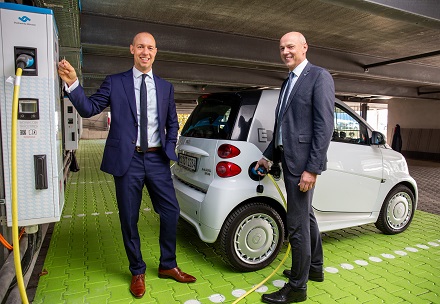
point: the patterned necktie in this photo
(283, 106)
(286, 95)
(143, 117)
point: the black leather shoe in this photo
(313, 275)
(285, 295)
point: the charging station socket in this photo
(31, 70)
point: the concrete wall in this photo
(95, 127)
(93, 134)
(419, 121)
(412, 113)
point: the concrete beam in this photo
(179, 44)
(421, 12)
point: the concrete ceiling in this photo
(210, 46)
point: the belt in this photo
(152, 149)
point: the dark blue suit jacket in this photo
(307, 122)
(117, 91)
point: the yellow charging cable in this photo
(15, 237)
(282, 261)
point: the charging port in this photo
(31, 70)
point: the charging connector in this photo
(254, 175)
(24, 61)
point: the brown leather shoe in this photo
(177, 275)
(137, 287)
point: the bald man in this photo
(140, 144)
(302, 134)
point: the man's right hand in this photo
(67, 72)
(262, 163)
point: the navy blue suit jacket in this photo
(307, 122)
(117, 91)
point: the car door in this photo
(354, 169)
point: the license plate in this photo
(188, 162)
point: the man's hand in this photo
(262, 163)
(308, 181)
(67, 72)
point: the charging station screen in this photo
(28, 109)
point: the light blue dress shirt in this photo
(153, 122)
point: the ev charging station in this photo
(31, 31)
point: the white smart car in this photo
(365, 182)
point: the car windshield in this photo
(213, 117)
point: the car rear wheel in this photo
(252, 236)
(397, 211)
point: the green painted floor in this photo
(86, 262)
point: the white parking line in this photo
(217, 298)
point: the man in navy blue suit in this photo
(302, 134)
(131, 165)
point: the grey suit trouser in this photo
(303, 231)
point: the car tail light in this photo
(227, 169)
(227, 151)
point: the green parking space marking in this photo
(373, 271)
(86, 261)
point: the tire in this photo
(397, 211)
(251, 237)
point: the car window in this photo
(348, 129)
(222, 116)
(212, 118)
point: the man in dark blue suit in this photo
(302, 134)
(136, 155)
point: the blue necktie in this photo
(283, 105)
(143, 117)
(286, 95)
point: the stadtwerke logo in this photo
(24, 19)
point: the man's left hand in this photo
(308, 181)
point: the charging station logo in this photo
(24, 19)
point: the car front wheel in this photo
(397, 211)
(252, 236)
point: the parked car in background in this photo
(365, 182)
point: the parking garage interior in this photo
(384, 56)
(379, 52)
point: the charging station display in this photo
(32, 32)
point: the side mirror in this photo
(377, 138)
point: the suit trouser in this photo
(304, 235)
(151, 169)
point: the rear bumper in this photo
(190, 201)
(208, 212)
